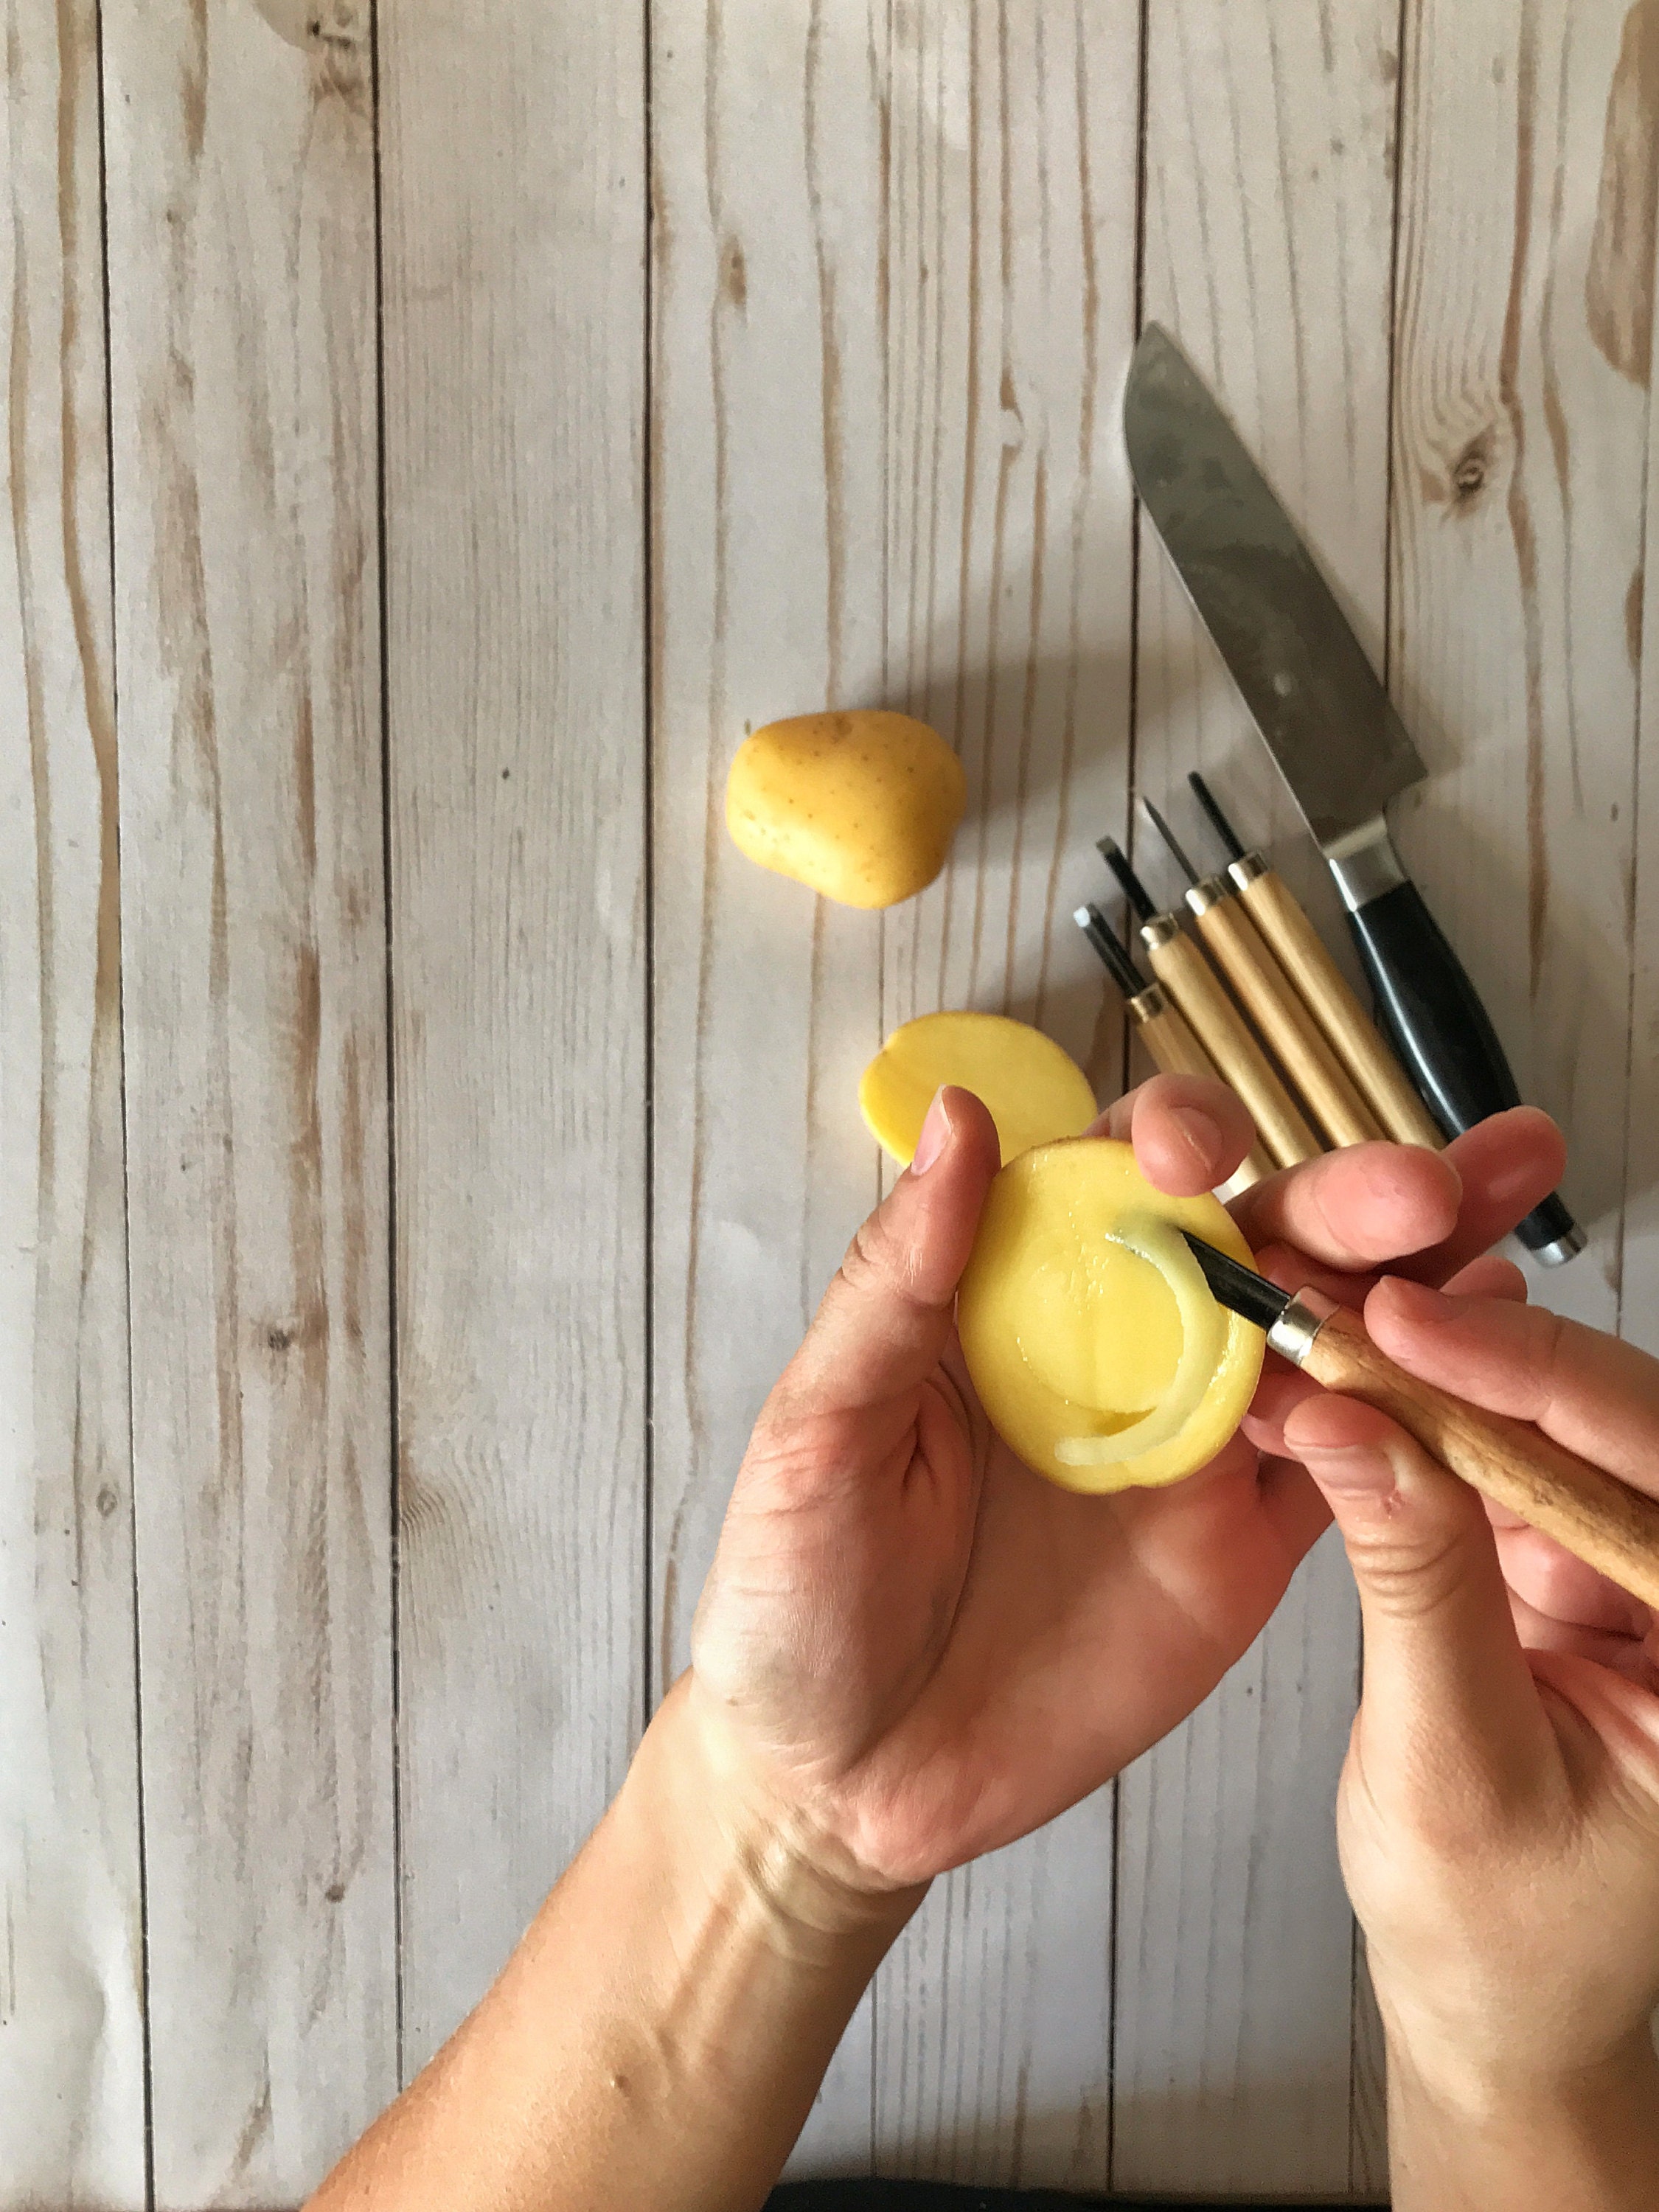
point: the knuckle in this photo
(1411, 1572)
(1550, 1580)
(878, 1259)
(1545, 1358)
(794, 1462)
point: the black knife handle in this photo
(1443, 1035)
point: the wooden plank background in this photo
(433, 442)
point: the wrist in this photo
(1474, 2133)
(1484, 2092)
(774, 1862)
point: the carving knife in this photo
(1330, 727)
(1268, 996)
(1191, 981)
(1163, 1027)
(1609, 1525)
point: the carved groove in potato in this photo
(1096, 1350)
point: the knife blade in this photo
(1330, 727)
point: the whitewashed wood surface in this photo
(433, 442)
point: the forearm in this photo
(657, 2039)
(1587, 2144)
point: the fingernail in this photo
(1357, 1473)
(935, 1130)
(1421, 1302)
(1201, 1133)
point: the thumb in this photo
(1444, 1672)
(886, 1317)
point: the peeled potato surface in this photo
(860, 807)
(1097, 1352)
(1034, 1090)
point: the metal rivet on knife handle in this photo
(1271, 1000)
(1283, 922)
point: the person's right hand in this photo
(1498, 1815)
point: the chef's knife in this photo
(1331, 727)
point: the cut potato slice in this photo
(1097, 1349)
(1034, 1090)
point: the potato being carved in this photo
(1035, 1091)
(1093, 1341)
(860, 806)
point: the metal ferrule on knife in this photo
(1293, 1335)
(1159, 930)
(1146, 1006)
(1364, 864)
(1207, 891)
(1249, 868)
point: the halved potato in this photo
(1093, 1341)
(1035, 1091)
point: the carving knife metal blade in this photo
(1329, 725)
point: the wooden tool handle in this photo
(1610, 1526)
(1271, 1001)
(1178, 1052)
(1239, 1059)
(1301, 951)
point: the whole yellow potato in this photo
(1093, 1340)
(1034, 1090)
(859, 806)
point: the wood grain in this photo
(768, 569)
(71, 2030)
(513, 197)
(874, 459)
(241, 265)
(1520, 441)
(1268, 221)
(1010, 273)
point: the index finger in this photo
(1189, 1132)
(1597, 1396)
(1355, 1208)
(1506, 1163)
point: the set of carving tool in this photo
(1313, 1068)
(1291, 1037)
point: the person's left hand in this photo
(914, 1647)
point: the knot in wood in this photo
(1472, 468)
(734, 274)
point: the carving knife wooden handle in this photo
(1176, 1051)
(1386, 1087)
(1268, 996)
(1181, 967)
(1611, 1527)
